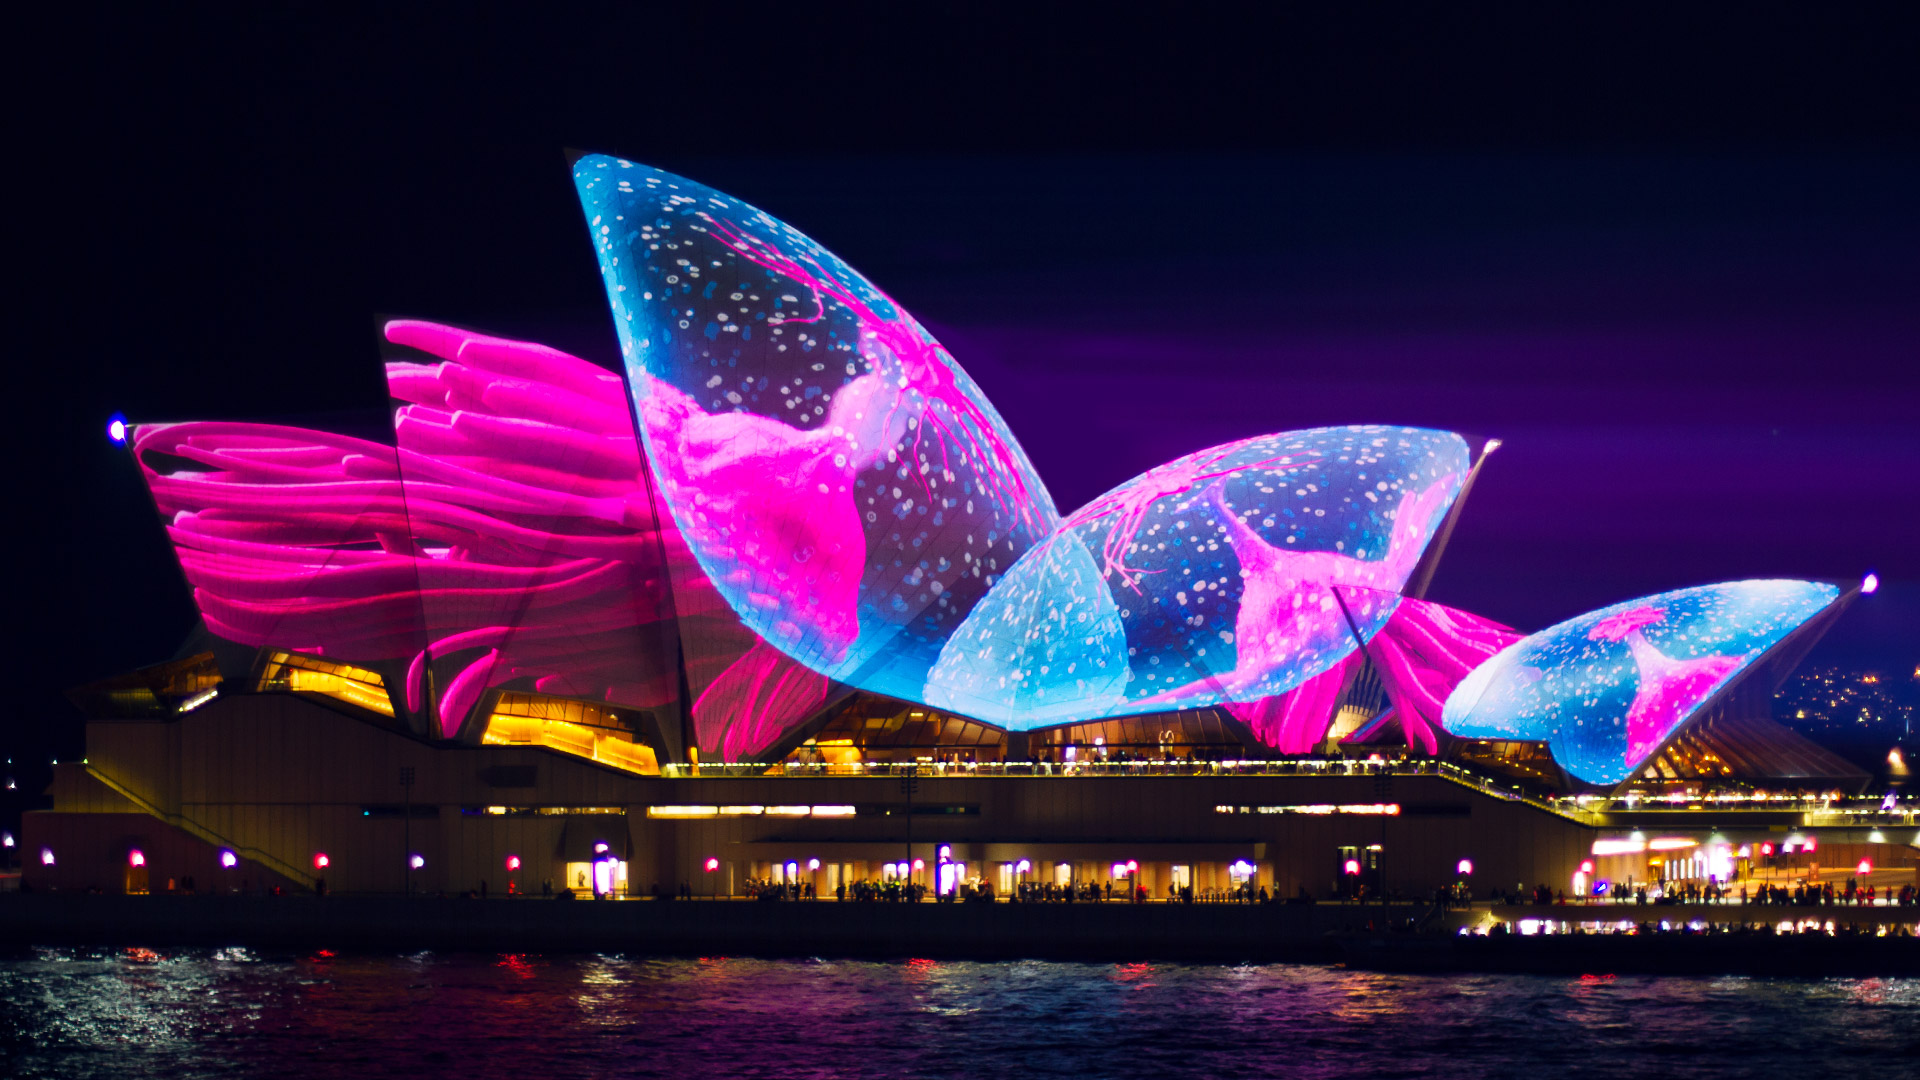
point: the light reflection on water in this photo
(239, 1012)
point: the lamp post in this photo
(909, 783)
(406, 827)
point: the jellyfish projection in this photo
(1606, 690)
(1213, 583)
(840, 480)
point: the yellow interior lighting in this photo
(605, 747)
(342, 682)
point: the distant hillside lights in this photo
(1862, 702)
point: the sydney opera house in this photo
(784, 599)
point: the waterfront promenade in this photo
(1879, 938)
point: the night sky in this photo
(1673, 262)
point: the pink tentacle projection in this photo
(1422, 653)
(464, 691)
(525, 489)
(1131, 502)
(756, 700)
(1295, 722)
(778, 503)
(1668, 687)
(1286, 600)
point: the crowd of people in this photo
(1766, 929)
(1852, 893)
(1803, 894)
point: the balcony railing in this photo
(1265, 767)
(1596, 810)
(1294, 767)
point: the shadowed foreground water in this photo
(233, 1012)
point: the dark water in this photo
(121, 1013)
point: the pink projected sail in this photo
(1422, 653)
(1296, 721)
(536, 542)
(289, 538)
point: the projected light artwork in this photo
(830, 497)
(1606, 689)
(817, 499)
(1207, 580)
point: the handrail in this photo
(1571, 813)
(950, 770)
(201, 832)
(1593, 810)
(1312, 767)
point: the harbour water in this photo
(79, 1012)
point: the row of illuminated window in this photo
(833, 811)
(1314, 808)
(614, 748)
(542, 707)
(538, 811)
(312, 675)
(430, 810)
(749, 811)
